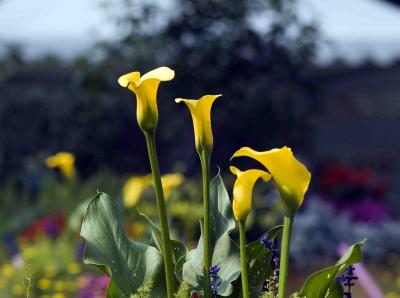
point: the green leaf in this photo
(75, 219)
(129, 264)
(258, 265)
(335, 290)
(225, 252)
(259, 262)
(179, 250)
(322, 284)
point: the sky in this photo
(355, 30)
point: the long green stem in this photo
(205, 168)
(284, 263)
(167, 251)
(243, 259)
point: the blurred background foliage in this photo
(214, 47)
(261, 56)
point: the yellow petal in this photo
(290, 175)
(170, 182)
(129, 78)
(201, 116)
(134, 188)
(145, 87)
(161, 74)
(64, 161)
(243, 190)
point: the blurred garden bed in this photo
(41, 251)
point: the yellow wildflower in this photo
(73, 268)
(29, 252)
(50, 271)
(201, 116)
(145, 88)
(7, 270)
(290, 175)
(17, 289)
(59, 295)
(243, 190)
(59, 285)
(64, 161)
(44, 284)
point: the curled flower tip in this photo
(200, 109)
(145, 88)
(243, 190)
(290, 175)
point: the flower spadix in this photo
(290, 175)
(201, 115)
(243, 190)
(145, 88)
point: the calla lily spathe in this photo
(145, 87)
(290, 175)
(137, 185)
(201, 116)
(243, 190)
(64, 161)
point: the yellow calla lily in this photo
(243, 190)
(65, 161)
(290, 175)
(170, 182)
(145, 87)
(201, 116)
(137, 185)
(134, 188)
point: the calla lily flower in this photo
(290, 175)
(201, 115)
(137, 185)
(243, 190)
(64, 161)
(145, 87)
(134, 188)
(170, 182)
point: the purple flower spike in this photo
(215, 280)
(347, 280)
(271, 284)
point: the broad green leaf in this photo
(225, 252)
(178, 248)
(335, 290)
(258, 265)
(259, 262)
(129, 264)
(113, 291)
(75, 219)
(322, 284)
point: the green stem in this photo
(205, 168)
(166, 242)
(243, 258)
(284, 262)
